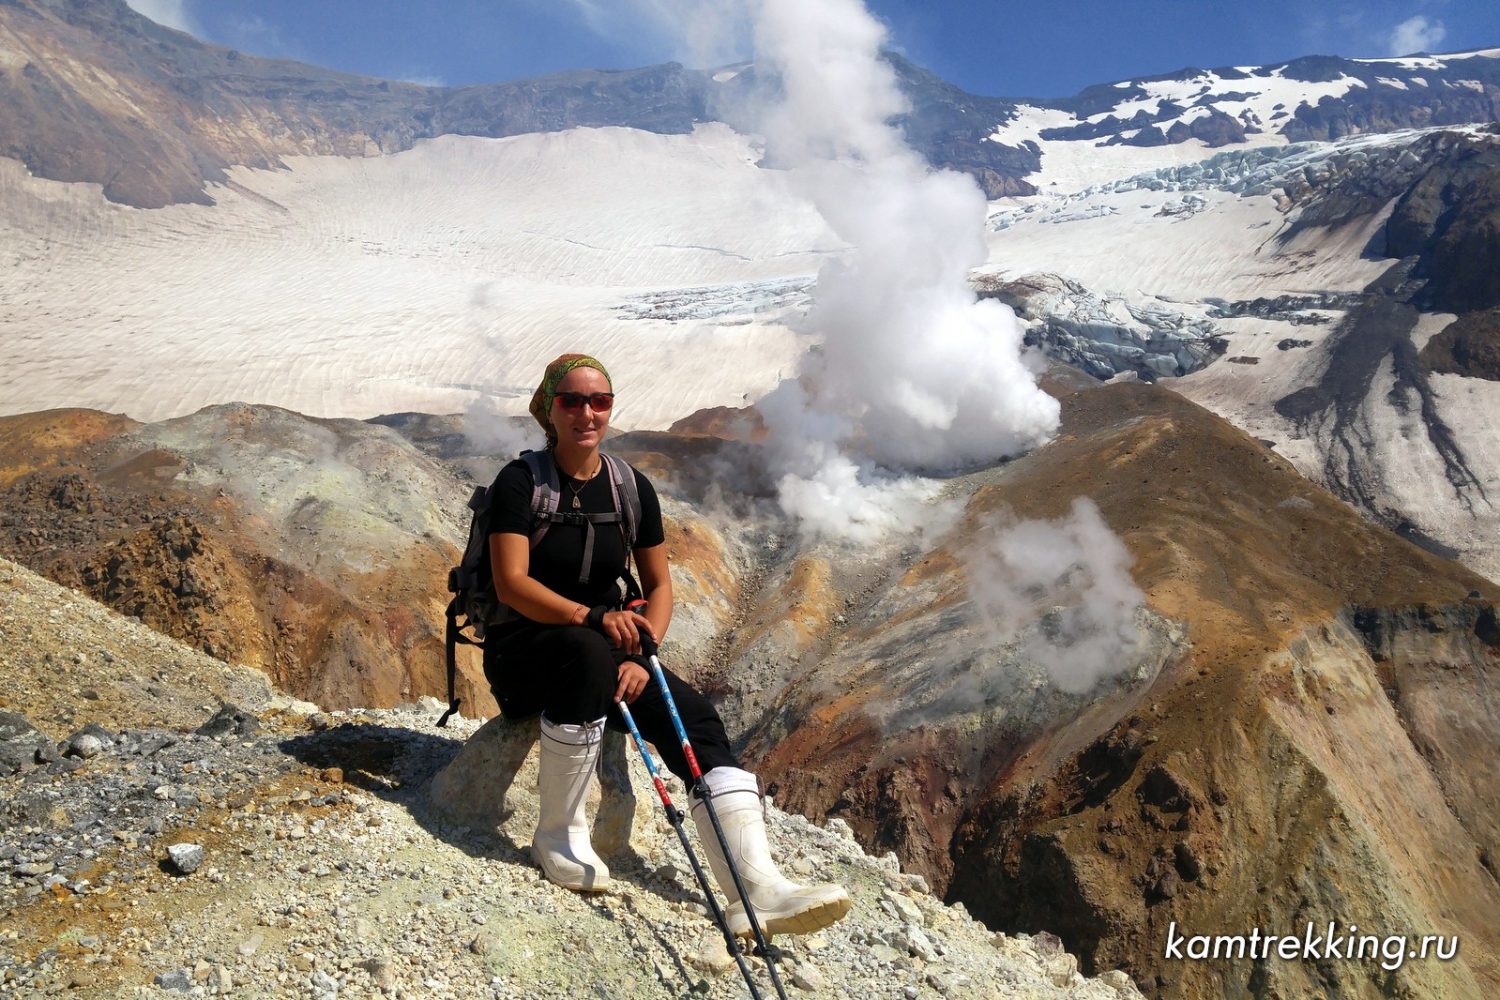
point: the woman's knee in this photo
(586, 651)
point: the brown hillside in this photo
(314, 551)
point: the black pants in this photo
(569, 673)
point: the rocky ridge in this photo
(90, 84)
(1228, 104)
(281, 850)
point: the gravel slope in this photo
(325, 870)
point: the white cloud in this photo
(170, 13)
(1416, 34)
(699, 33)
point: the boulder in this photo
(185, 858)
(491, 786)
(230, 719)
(20, 742)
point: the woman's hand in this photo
(623, 629)
(633, 680)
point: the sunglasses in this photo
(599, 402)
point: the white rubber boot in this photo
(781, 906)
(561, 846)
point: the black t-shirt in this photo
(555, 562)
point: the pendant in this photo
(576, 504)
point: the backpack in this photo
(471, 582)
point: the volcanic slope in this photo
(1295, 731)
(311, 550)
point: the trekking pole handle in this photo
(648, 643)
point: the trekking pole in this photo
(705, 794)
(675, 817)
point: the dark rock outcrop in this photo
(1470, 345)
(20, 742)
(1450, 218)
(1215, 129)
(951, 127)
(1353, 185)
(1446, 96)
(1294, 309)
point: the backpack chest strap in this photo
(588, 521)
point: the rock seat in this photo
(491, 786)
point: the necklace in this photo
(576, 490)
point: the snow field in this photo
(1226, 250)
(414, 281)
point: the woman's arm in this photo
(510, 561)
(656, 587)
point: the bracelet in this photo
(575, 618)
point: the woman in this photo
(573, 654)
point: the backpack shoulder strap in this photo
(627, 497)
(546, 492)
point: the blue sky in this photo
(1004, 48)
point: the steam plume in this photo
(170, 13)
(1062, 590)
(914, 373)
(489, 431)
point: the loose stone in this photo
(185, 858)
